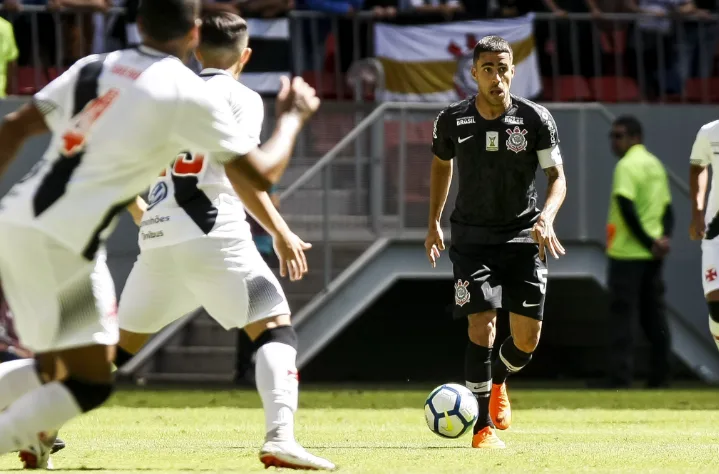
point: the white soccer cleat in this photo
(290, 455)
(37, 456)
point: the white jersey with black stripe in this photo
(705, 152)
(116, 121)
(193, 197)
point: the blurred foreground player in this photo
(18, 361)
(196, 249)
(499, 237)
(115, 121)
(705, 225)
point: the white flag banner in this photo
(432, 63)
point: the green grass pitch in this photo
(376, 431)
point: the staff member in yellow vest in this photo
(639, 227)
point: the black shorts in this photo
(508, 276)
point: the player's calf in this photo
(511, 359)
(478, 363)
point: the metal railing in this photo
(326, 206)
(656, 58)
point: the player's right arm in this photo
(204, 122)
(439, 183)
(15, 130)
(698, 178)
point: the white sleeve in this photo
(701, 150)
(55, 100)
(206, 123)
(549, 157)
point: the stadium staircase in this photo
(365, 239)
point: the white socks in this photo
(277, 383)
(46, 408)
(17, 378)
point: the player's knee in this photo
(257, 328)
(88, 395)
(481, 328)
(282, 334)
(527, 342)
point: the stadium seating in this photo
(614, 89)
(566, 89)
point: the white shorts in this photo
(59, 299)
(227, 277)
(710, 265)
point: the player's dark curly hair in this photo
(223, 30)
(492, 44)
(167, 20)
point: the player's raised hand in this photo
(434, 243)
(296, 97)
(290, 250)
(543, 234)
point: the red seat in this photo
(328, 87)
(694, 89)
(615, 89)
(566, 89)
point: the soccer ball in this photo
(450, 410)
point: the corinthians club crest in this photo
(463, 81)
(461, 293)
(516, 141)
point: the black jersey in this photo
(497, 163)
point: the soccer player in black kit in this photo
(500, 239)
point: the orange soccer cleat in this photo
(499, 409)
(487, 438)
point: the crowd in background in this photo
(666, 48)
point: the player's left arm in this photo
(550, 159)
(289, 247)
(16, 128)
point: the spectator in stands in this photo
(8, 58)
(695, 48)
(574, 42)
(658, 42)
(265, 8)
(639, 227)
(333, 6)
(446, 8)
(512, 8)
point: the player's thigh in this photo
(477, 286)
(154, 294)
(524, 279)
(51, 293)
(710, 269)
(233, 283)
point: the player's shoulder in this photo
(243, 93)
(710, 130)
(457, 112)
(531, 110)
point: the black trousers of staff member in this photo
(637, 291)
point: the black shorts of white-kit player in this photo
(495, 259)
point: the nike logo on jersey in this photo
(461, 140)
(529, 305)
